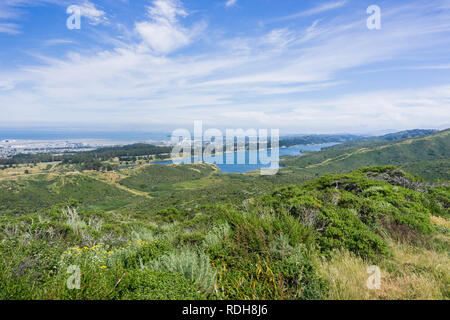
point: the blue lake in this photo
(227, 166)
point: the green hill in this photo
(156, 178)
(22, 196)
(430, 153)
(310, 241)
(407, 134)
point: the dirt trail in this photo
(114, 178)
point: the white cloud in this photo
(6, 85)
(230, 3)
(92, 13)
(54, 42)
(324, 7)
(379, 110)
(264, 80)
(163, 33)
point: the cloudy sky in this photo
(303, 66)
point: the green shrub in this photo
(353, 210)
(146, 284)
(439, 201)
(299, 271)
(142, 253)
(343, 229)
(217, 234)
(194, 265)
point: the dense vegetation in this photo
(190, 232)
(126, 152)
(158, 178)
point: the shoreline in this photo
(226, 152)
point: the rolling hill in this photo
(426, 155)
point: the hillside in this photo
(430, 152)
(205, 235)
(407, 134)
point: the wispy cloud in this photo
(54, 42)
(10, 28)
(314, 11)
(163, 33)
(92, 13)
(230, 3)
(12, 11)
(283, 77)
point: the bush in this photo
(266, 255)
(217, 234)
(343, 229)
(353, 210)
(146, 284)
(192, 264)
(299, 271)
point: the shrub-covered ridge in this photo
(296, 242)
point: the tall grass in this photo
(412, 274)
(217, 234)
(192, 264)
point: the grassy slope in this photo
(311, 241)
(426, 151)
(431, 170)
(36, 193)
(157, 178)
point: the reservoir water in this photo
(227, 166)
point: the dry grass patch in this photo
(346, 275)
(418, 273)
(412, 273)
(440, 221)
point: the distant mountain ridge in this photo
(407, 134)
(288, 141)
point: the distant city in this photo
(14, 142)
(11, 147)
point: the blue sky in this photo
(300, 66)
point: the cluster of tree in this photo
(100, 154)
(98, 166)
